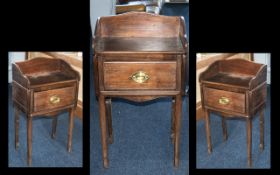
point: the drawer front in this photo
(54, 98)
(224, 100)
(140, 75)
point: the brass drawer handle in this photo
(54, 99)
(224, 100)
(140, 77)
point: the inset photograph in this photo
(233, 110)
(45, 109)
(139, 117)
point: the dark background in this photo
(53, 25)
(64, 25)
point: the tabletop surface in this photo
(48, 77)
(241, 80)
(139, 44)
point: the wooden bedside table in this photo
(139, 57)
(234, 88)
(44, 87)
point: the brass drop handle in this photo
(224, 100)
(54, 99)
(140, 77)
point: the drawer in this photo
(224, 100)
(54, 98)
(140, 75)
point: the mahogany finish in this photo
(44, 87)
(139, 57)
(234, 88)
(140, 44)
(162, 75)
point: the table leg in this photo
(261, 130)
(249, 141)
(178, 112)
(172, 120)
(108, 103)
(16, 127)
(29, 140)
(70, 128)
(54, 124)
(103, 127)
(208, 132)
(224, 126)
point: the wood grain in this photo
(117, 75)
(128, 43)
(139, 44)
(42, 99)
(234, 80)
(134, 24)
(34, 83)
